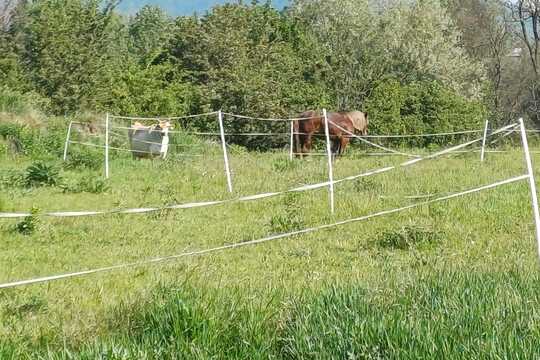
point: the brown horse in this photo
(310, 122)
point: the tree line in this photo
(415, 66)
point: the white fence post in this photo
(482, 153)
(107, 146)
(291, 150)
(225, 156)
(532, 183)
(66, 145)
(329, 154)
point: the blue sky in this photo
(182, 7)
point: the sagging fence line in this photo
(162, 118)
(529, 176)
(290, 134)
(222, 135)
(258, 196)
(236, 245)
(354, 136)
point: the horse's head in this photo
(360, 121)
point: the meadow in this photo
(454, 279)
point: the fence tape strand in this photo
(372, 143)
(257, 241)
(250, 197)
(162, 117)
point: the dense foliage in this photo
(415, 66)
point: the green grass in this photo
(456, 279)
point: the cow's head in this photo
(164, 125)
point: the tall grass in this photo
(435, 316)
(456, 279)
(430, 315)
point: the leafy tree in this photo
(11, 71)
(421, 107)
(412, 41)
(250, 60)
(487, 37)
(153, 90)
(526, 13)
(68, 50)
(149, 32)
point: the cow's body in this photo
(149, 141)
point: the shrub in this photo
(421, 107)
(29, 224)
(42, 174)
(150, 90)
(35, 141)
(16, 102)
(283, 165)
(407, 237)
(8, 129)
(87, 184)
(288, 218)
(367, 185)
(446, 314)
(83, 160)
(12, 178)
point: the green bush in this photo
(12, 178)
(83, 159)
(29, 224)
(421, 107)
(87, 184)
(17, 102)
(10, 129)
(288, 218)
(36, 141)
(153, 90)
(439, 315)
(444, 315)
(284, 165)
(42, 174)
(407, 237)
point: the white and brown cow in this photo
(149, 141)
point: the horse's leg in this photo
(335, 147)
(307, 144)
(343, 145)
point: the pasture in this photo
(453, 279)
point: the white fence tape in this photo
(258, 241)
(162, 117)
(423, 135)
(104, 147)
(457, 147)
(352, 135)
(202, 133)
(122, 136)
(270, 119)
(172, 131)
(251, 197)
(321, 135)
(158, 118)
(134, 151)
